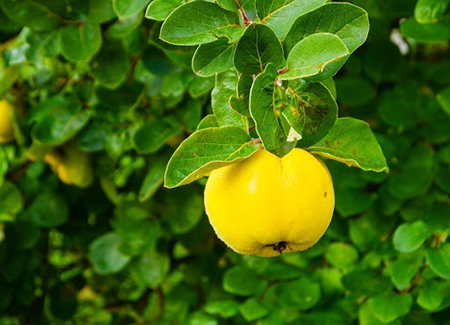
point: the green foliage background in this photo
(125, 250)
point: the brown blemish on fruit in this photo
(325, 194)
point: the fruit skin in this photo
(72, 166)
(6, 128)
(266, 205)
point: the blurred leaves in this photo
(105, 256)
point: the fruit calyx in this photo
(279, 247)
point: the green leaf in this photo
(49, 210)
(224, 89)
(430, 11)
(11, 201)
(125, 8)
(253, 309)
(214, 57)
(100, 11)
(277, 272)
(330, 281)
(331, 86)
(350, 202)
(136, 231)
(347, 21)
(79, 43)
(242, 281)
(160, 9)
(122, 98)
(152, 135)
(436, 32)
(201, 86)
(365, 282)
(266, 7)
(410, 236)
(206, 150)
(387, 204)
(111, 64)
(63, 119)
(223, 308)
(105, 256)
(209, 121)
(240, 103)
(201, 318)
(351, 141)
(342, 255)
(439, 260)
(367, 230)
(256, 48)
(183, 210)
(444, 99)
(399, 107)
(312, 55)
(303, 293)
(156, 61)
(154, 178)
(43, 44)
(262, 110)
(403, 270)
(8, 77)
(151, 268)
(282, 19)
(229, 4)
(37, 15)
(232, 5)
(415, 175)
(444, 154)
(124, 25)
(200, 22)
(389, 306)
(310, 110)
(430, 295)
(136, 41)
(367, 317)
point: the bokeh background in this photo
(115, 247)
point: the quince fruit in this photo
(265, 205)
(6, 128)
(72, 166)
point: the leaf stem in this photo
(247, 21)
(283, 70)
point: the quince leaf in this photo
(200, 22)
(351, 142)
(206, 150)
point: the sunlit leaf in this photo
(206, 150)
(200, 22)
(352, 142)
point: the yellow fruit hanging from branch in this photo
(266, 205)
